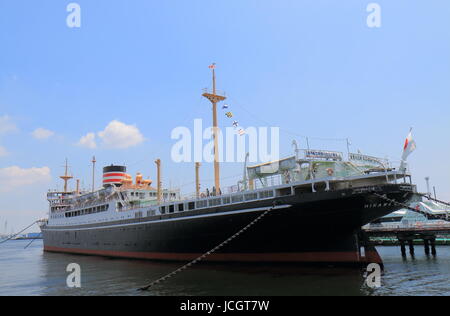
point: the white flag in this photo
(410, 146)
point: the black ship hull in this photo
(320, 227)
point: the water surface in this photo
(32, 272)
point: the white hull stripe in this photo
(170, 219)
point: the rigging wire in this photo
(255, 117)
(164, 146)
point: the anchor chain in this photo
(197, 260)
(428, 215)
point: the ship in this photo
(314, 201)
(428, 213)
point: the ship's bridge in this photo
(59, 201)
(313, 165)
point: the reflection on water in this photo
(32, 272)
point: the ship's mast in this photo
(197, 179)
(66, 177)
(159, 184)
(214, 98)
(93, 173)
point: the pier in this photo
(408, 235)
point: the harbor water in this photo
(32, 272)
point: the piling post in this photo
(403, 248)
(426, 243)
(411, 247)
(433, 246)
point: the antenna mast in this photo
(214, 99)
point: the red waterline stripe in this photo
(336, 257)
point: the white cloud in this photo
(42, 133)
(120, 135)
(3, 152)
(6, 125)
(88, 141)
(13, 177)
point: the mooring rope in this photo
(32, 241)
(11, 237)
(428, 215)
(197, 260)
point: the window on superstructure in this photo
(191, 206)
(202, 204)
(237, 198)
(171, 208)
(266, 194)
(163, 210)
(251, 196)
(214, 202)
(180, 207)
(226, 200)
(284, 192)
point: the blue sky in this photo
(311, 67)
